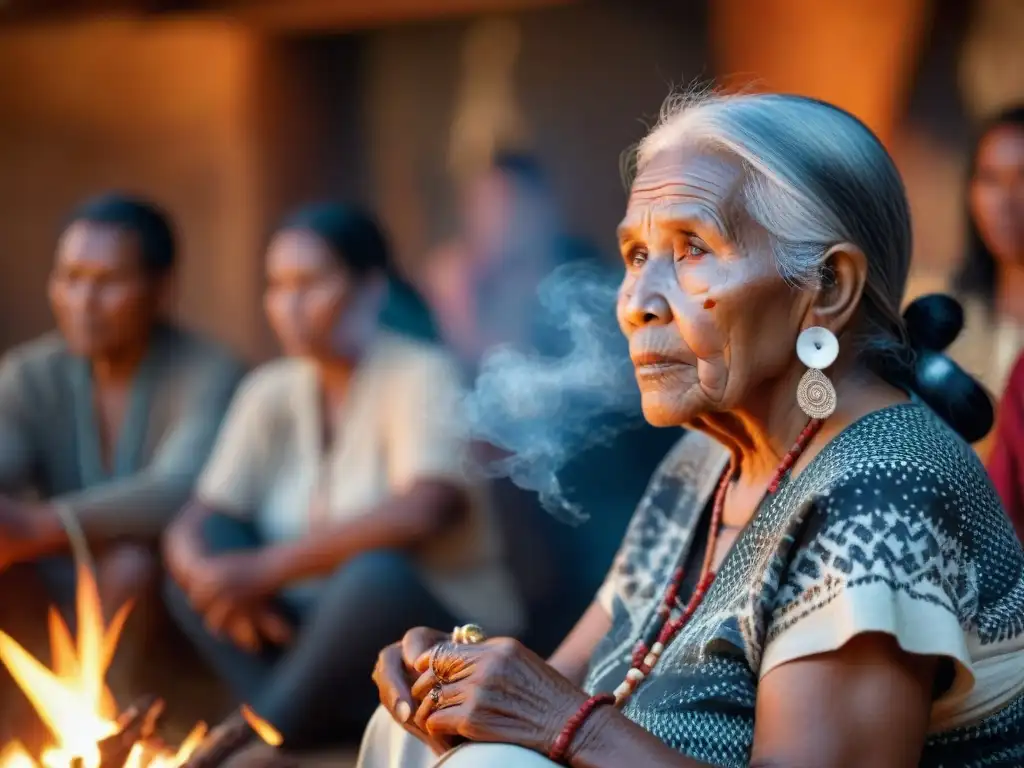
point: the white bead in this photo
(635, 675)
(650, 660)
(622, 692)
(817, 347)
(657, 648)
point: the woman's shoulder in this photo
(893, 527)
(903, 466)
(899, 494)
(418, 361)
(898, 452)
(272, 382)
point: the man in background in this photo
(483, 289)
(107, 421)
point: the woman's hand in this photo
(250, 627)
(182, 554)
(397, 667)
(495, 691)
(232, 580)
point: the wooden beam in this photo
(309, 15)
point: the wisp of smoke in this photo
(542, 410)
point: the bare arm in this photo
(183, 542)
(866, 704)
(403, 521)
(573, 655)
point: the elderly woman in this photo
(820, 574)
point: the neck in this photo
(334, 373)
(118, 367)
(761, 433)
(1010, 292)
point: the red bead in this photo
(709, 303)
(669, 628)
(561, 746)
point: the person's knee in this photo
(179, 607)
(385, 742)
(223, 533)
(377, 567)
(486, 755)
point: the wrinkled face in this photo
(315, 306)
(997, 193)
(708, 317)
(102, 298)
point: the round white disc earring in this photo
(817, 348)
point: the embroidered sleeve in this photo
(662, 523)
(880, 552)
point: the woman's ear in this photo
(844, 273)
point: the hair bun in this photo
(933, 321)
(948, 390)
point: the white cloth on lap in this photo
(386, 744)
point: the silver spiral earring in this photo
(817, 348)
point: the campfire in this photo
(73, 701)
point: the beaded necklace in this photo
(645, 658)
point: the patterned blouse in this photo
(893, 528)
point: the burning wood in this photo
(73, 701)
(136, 725)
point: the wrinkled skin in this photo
(712, 328)
(693, 357)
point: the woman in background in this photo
(339, 483)
(485, 287)
(994, 275)
(991, 280)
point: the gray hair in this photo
(816, 177)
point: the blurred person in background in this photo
(336, 506)
(1006, 458)
(108, 420)
(997, 266)
(483, 289)
(990, 282)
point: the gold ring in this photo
(440, 674)
(435, 695)
(468, 634)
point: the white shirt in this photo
(399, 423)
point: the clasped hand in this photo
(495, 691)
(227, 589)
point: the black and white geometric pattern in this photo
(895, 510)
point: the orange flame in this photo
(263, 729)
(72, 699)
